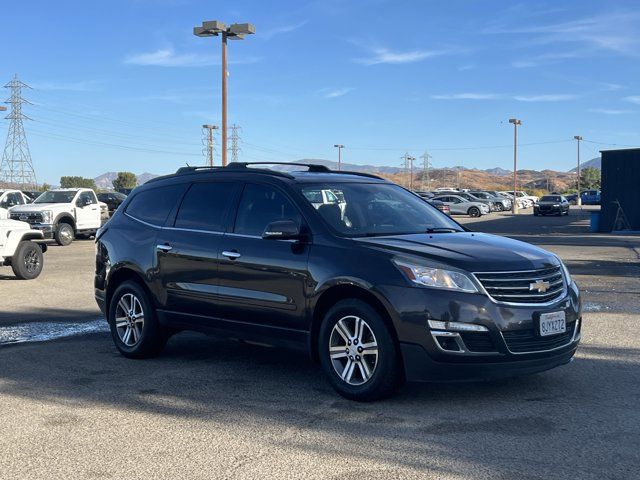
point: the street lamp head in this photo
(337, 145)
(577, 137)
(515, 121)
(241, 29)
(210, 28)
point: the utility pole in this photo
(408, 167)
(16, 167)
(208, 133)
(458, 177)
(578, 198)
(235, 138)
(425, 169)
(515, 122)
(236, 31)
(339, 147)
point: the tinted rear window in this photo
(153, 206)
(204, 206)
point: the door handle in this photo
(164, 247)
(231, 255)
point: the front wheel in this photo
(133, 322)
(27, 261)
(358, 353)
(474, 212)
(64, 234)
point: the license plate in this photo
(552, 324)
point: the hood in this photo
(38, 207)
(469, 251)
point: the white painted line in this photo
(45, 331)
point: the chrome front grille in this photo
(31, 217)
(528, 287)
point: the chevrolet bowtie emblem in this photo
(540, 285)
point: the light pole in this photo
(236, 31)
(516, 122)
(410, 159)
(339, 147)
(578, 198)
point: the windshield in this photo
(480, 195)
(370, 209)
(550, 198)
(53, 196)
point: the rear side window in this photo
(261, 205)
(153, 206)
(205, 205)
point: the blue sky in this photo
(123, 84)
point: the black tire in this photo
(151, 337)
(64, 234)
(386, 375)
(27, 261)
(474, 212)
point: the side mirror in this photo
(282, 230)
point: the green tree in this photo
(44, 187)
(77, 182)
(590, 178)
(125, 180)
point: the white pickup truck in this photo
(10, 198)
(18, 249)
(62, 214)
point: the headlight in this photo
(436, 277)
(567, 275)
(47, 216)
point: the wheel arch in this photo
(117, 278)
(66, 218)
(346, 291)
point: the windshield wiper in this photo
(442, 230)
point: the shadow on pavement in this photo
(564, 420)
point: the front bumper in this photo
(509, 347)
(45, 228)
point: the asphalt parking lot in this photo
(208, 408)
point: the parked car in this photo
(62, 214)
(398, 292)
(112, 199)
(519, 201)
(10, 198)
(529, 200)
(551, 205)
(31, 194)
(423, 194)
(587, 197)
(443, 207)
(472, 198)
(500, 204)
(462, 206)
(19, 249)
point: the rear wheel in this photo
(358, 353)
(133, 322)
(27, 261)
(64, 234)
(499, 207)
(474, 212)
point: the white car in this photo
(529, 200)
(11, 198)
(62, 214)
(18, 249)
(461, 206)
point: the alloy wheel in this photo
(353, 350)
(129, 319)
(32, 261)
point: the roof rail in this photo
(360, 174)
(312, 167)
(189, 168)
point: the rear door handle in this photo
(164, 247)
(231, 255)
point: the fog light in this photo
(457, 326)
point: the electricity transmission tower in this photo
(425, 169)
(235, 139)
(16, 167)
(408, 168)
(207, 141)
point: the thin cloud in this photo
(273, 32)
(386, 56)
(545, 98)
(334, 92)
(610, 111)
(499, 96)
(633, 99)
(168, 57)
